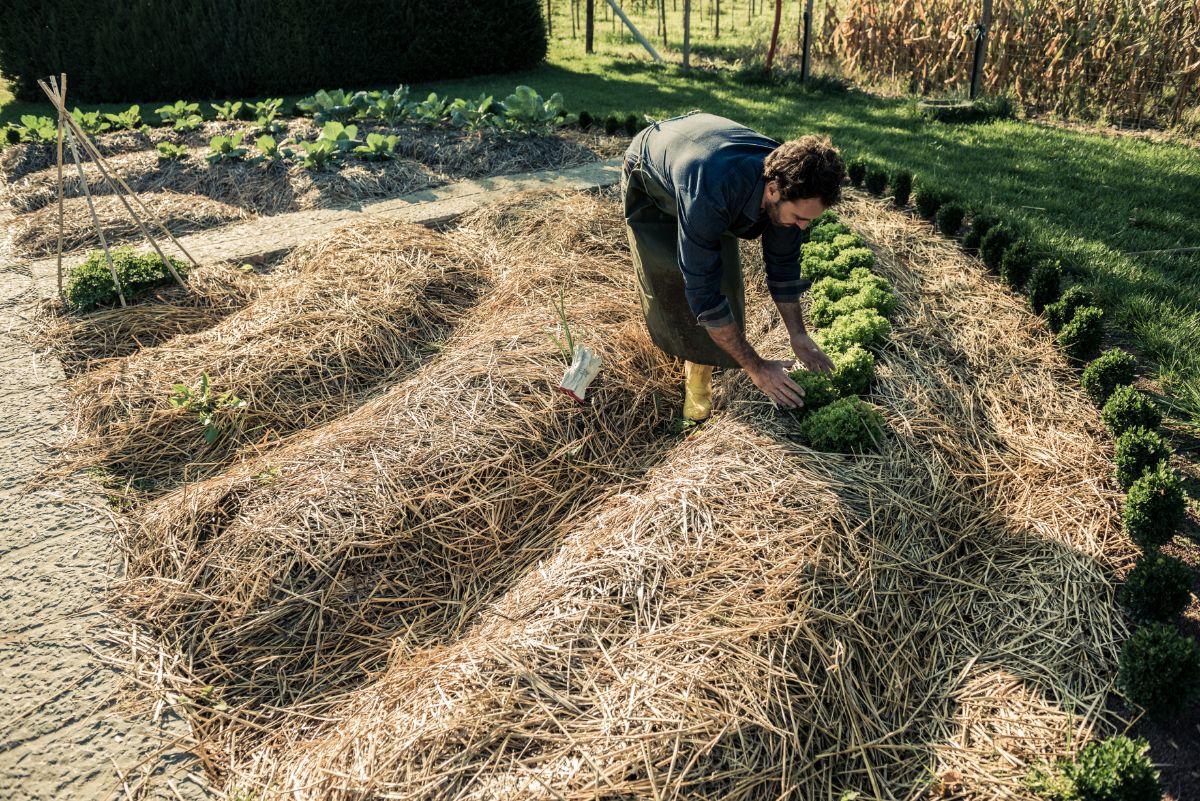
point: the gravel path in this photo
(62, 735)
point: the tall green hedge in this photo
(137, 50)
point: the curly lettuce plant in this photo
(866, 328)
(854, 370)
(847, 425)
(819, 390)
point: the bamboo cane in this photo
(63, 79)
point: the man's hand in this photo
(771, 376)
(810, 355)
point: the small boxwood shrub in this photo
(876, 180)
(1116, 769)
(1138, 451)
(1045, 285)
(902, 183)
(1154, 507)
(1159, 670)
(950, 218)
(1113, 368)
(1080, 338)
(1017, 263)
(980, 225)
(827, 232)
(90, 285)
(585, 120)
(1060, 312)
(854, 371)
(991, 248)
(929, 200)
(848, 425)
(1157, 590)
(866, 328)
(1127, 408)
(857, 171)
(632, 124)
(818, 388)
(612, 125)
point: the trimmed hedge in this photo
(116, 51)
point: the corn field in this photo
(1129, 61)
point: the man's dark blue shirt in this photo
(714, 169)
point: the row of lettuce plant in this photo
(849, 305)
(1159, 667)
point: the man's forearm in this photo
(731, 339)
(793, 317)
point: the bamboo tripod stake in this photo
(87, 193)
(116, 184)
(63, 81)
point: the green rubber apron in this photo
(653, 229)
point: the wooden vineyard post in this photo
(774, 34)
(589, 27)
(981, 35)
(687, 33)
(808, 4)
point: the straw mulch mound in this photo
(352, 312)
(259, 188)
(284, 581)
(36, 234)
(82, 342)
(758, 620)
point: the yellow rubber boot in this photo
(697, 396)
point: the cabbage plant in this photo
(328, 105)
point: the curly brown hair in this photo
(806, 167)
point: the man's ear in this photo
(771, 191)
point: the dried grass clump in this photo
(356, 310)
(36, 234)
(213, 292)
(754, 619)
(285, 580)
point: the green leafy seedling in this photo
(171, 152)
(206, 405)
(227, 111)
(128, 120)
(226, 148)
(92, 122)
(378, 147)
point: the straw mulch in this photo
(428, 157)
(258, 188)
(349, 314)
(36, 234)
(284, 581)
(751, 619)
(82, 342)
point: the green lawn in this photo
(1099, 201)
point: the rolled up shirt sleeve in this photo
(699, 254)
(781, 259)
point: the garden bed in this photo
(193, 193)
(448, 579)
